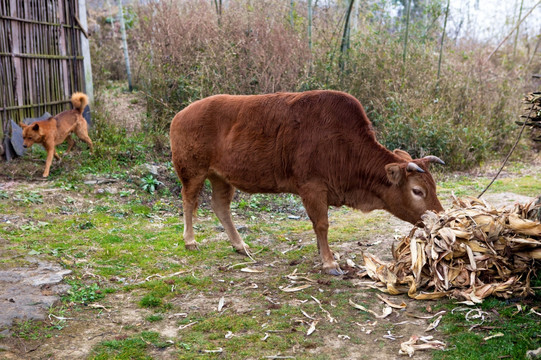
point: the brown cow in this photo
(317, 144)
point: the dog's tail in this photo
(79, 101)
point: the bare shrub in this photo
(188, 53)
(183, 51)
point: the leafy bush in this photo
(184, 52)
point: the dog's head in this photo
(32, 134)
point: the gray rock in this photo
(26, 292)
(29, 121)
(153, 169)
(17, 138)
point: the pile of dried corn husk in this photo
(470, 251)
(533, 114)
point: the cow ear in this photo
(404, 155)
(395, 173)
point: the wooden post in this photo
(85, 45)
(63, 50)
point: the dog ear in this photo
(35, 127)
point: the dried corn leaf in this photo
(409, 347)
(391, 304)
(386, 310)
(312, 327)
(493, 336)
(470, 251)
(221, 304)
(524, 226)
(434, 324)
(297, 288)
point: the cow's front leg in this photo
(315, 203)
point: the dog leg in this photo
(71, 142)
(50, 154)
(82, 132)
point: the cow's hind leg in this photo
(190, 193)
(314, 199)
(222, 194)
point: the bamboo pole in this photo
(125, 44)
(63, 46)
(404, 53)
(535, 49)
(518, 27)
(75, 86)
(310, 25)
(35, 45)
(442, 38)
(355, 19)
(27, 106)
(344, 46)
(40, 56)
(291, 5)
(512, 31)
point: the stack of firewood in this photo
(532, 114)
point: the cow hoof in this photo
(243, 249)
(191, 246)
(335, 272)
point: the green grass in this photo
(521, 331)
(463, 185)
(130, 348)
(131, 240)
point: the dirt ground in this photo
(118, 314)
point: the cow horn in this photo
(434, 159)
(414, 167)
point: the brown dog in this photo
(57, 129)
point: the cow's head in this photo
(31, 134)
(413, 188)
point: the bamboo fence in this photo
(41, 62)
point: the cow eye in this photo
(417, 192)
